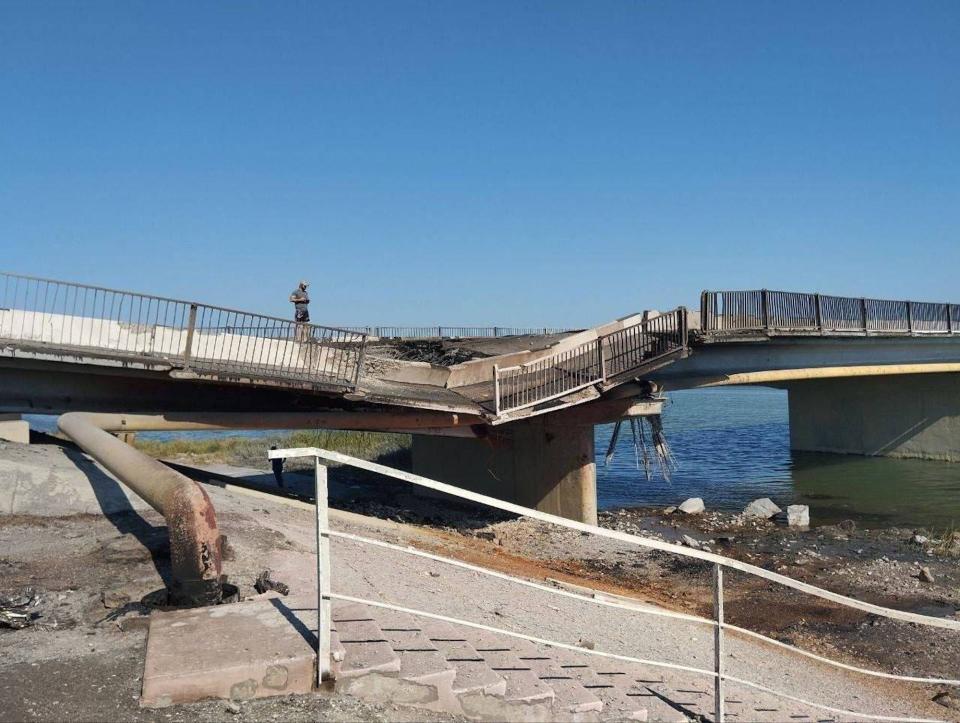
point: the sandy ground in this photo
(83, 659)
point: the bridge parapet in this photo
(621, 353)
(68, 318)
(783, 312)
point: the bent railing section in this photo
(592, 362)
(716, 673)
(64, 316)
(786, 312)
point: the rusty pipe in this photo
(195, 558)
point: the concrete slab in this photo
(248, 650)
(14, 429)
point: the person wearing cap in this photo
(299, 298)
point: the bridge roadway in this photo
(510, 416)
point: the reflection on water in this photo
(733, 445)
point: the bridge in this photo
(508, 412)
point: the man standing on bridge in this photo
(299, 298)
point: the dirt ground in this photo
(83, 657)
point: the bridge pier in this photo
(906, 415)
(545, 462)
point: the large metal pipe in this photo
(195, 557)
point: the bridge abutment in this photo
(545, 462)
(907, 415)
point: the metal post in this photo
(496, 389)
(764, 310)
(910, 317)
(817, 312)
(323, 575)
(718, 643)
(601, 360)
(191, 325)
(863, 312)
(361, 357)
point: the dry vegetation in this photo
(252, 451)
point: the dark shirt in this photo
(277, 464)
(301, 299)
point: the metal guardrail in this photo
(453, 332)
(787, 312)
(718, 673)
(592, 362)
(205, 339)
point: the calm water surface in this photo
(733, 446)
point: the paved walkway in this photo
(389, 576)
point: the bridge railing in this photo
(718, 673)
(453, 332)
(802, 313)
(61, 316)
(592, 362)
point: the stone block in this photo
(14, 429)
(798, 516)
(693, 506)
(763, 508)
(241, 651)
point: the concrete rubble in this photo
(692, 506)
(798, 516)
(763, 508)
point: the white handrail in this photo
(727, 562)
(323, 533)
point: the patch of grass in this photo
(252, 451)
(947, 542)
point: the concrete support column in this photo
(906, 415)
(544, 462)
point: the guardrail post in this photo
(361, 356)
(601, 359)
(718, 714)
(684, 322)
(863, 314)
(765, 314)
(496, 389)
(323, 573)
(910, 317)
(191, 326)
(818, 318)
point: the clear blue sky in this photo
(482, 162)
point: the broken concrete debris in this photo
(18, 611)
(265, 583)
(798, 516)
(692, 506)
(763, 508)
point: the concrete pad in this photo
(14, 429)
(247, 650)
